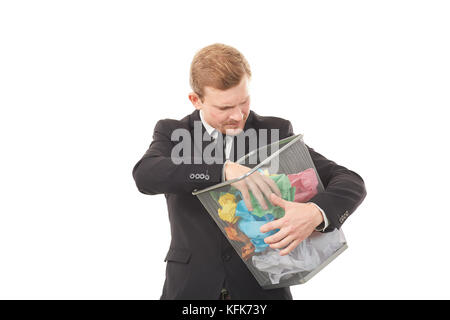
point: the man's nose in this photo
(236, 114)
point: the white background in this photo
(82, 84)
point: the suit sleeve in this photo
(344, 189)
(156, 173)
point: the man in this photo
(201, 263)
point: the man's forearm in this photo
(157, 175)
(343, 194)
(156, 172)
(344, 190)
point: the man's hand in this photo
(257, 183)
(299, 221)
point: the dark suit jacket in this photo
(200, 260)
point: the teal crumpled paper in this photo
(250, 224)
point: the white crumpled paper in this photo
(307, 256)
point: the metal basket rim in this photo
(293, 139)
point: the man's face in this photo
(225, 110)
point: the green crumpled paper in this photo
(287, 193)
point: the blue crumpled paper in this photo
(250, 224)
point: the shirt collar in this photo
(211, 131)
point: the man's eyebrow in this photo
(230, 105)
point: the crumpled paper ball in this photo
(227, 212)
(249, 224)
(305, 184)
(287, 193)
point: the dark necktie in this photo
(221, 139)
(233, 153)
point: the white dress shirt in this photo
(228, 144)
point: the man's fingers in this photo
(257, 193)
(276, 224)
(245, 194)
(272, 186)
(262, 185)
(277, 201)
(280, 235)
(289, 248)
(283, 243)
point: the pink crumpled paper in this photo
(305, 184)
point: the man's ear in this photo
(195, 100)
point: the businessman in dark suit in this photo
(201, 263)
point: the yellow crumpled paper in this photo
(228, 210)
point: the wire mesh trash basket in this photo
(288, 163)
